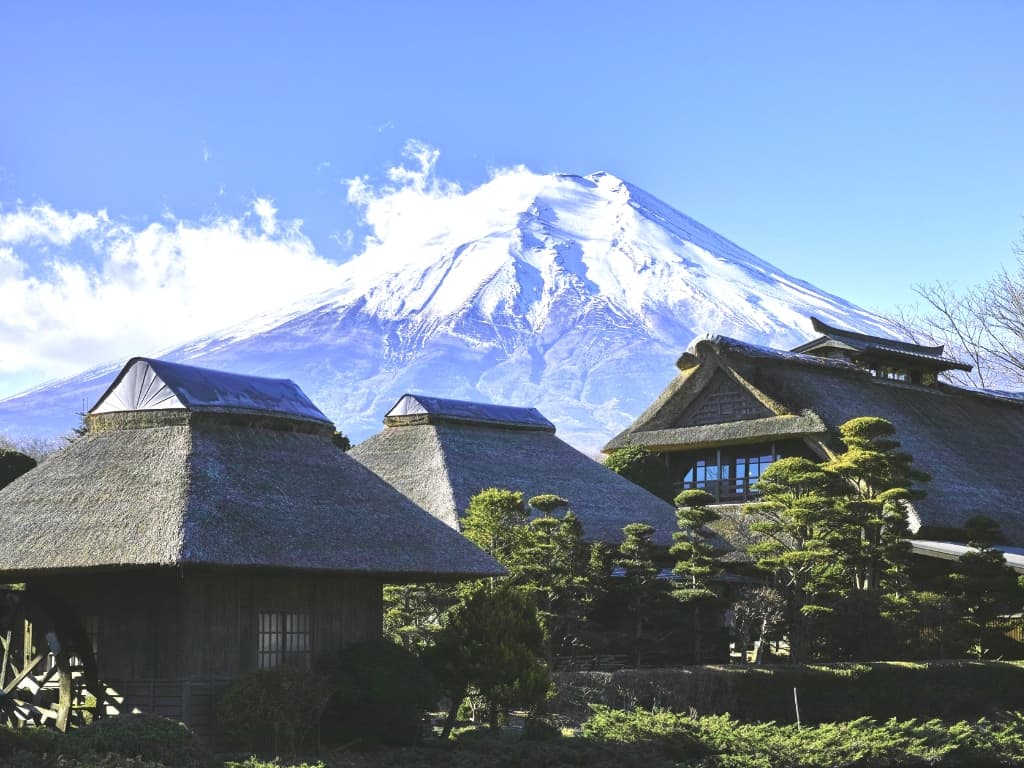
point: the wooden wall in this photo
(201, 624)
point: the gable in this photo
(138, 389)
(723, 400)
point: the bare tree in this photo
(982, 325)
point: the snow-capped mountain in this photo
(572, 294)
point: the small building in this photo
(734, 408)
(207, 526)
(440, 453)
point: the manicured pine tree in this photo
(984, 586)
(870, 525)
(793, 515)
(490, 642)
(412, 612)
(495, 521)
(639, 586)
(695, 562)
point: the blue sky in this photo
(864, 147)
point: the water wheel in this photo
(47, 669)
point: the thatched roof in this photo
(146, 384)
(967, 440)
(220, 487)
(442, 462)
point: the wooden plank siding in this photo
(169, 639)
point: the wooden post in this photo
(796, 706)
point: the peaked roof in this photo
(442, 464)
(880, 346)
(967, 440)
(415, 408)
(150, 384)
(188, 486)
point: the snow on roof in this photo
(149, 384)
(465, 410)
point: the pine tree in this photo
(412, 612)
(491, 642)
(494, 521)
(797, 502)
(984, 586)
(639, 586)
(695, 562)
(871, 515)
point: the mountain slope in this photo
(573, 294)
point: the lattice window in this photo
(283, 637)
(729, 475)
(722, 402)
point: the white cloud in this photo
(419, 207)
(267, 214)
(153, 287)
(41, 223)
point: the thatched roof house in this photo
(442, 452)
(734, 408)
(186, 466)
(206, 525)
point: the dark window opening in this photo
(729, 475)
(283, 638)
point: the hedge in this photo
(827, 693)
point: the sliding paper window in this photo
(284, 638)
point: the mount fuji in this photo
(574, 294)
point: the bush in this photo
(273, 709)
(148, 736)
(827, 693)
(126, 741)
(36, 741)
(380, 692)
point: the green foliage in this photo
(984, 587)
(797, 500)
(494, 521)
(678, 735)
(340, 440)
(871, 513)
(553, 568)
(380, 692)
(273, 709)
(491, 642)
(126, 741)
(643, 597)
(637, 464)
(412, 612)
(255, 762)
(548, 502)
(861, 742)
(835, 542)
(154, 738)
(695, 556)
(13, 464)
(827, 693)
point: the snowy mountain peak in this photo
(570, 293)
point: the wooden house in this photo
(734, 408)
(441, 452)
(207, 526)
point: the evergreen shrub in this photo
(380, 692)
(150, 737)
(274, 709)
(826, 693)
